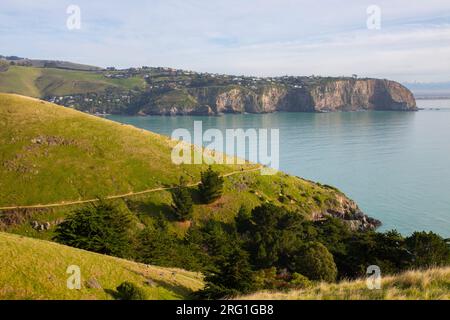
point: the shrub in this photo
(272, 279)
(299, 281)
(211, 186)
(315, 262)
(265, 278)
(182, 201)
(130, 291)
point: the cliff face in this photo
(353, 95)
(324, 96)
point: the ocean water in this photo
(395, 165)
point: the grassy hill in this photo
(432, 284)
(52, 154)
(36, 269)
(42, 82)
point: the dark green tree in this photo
(103, 228)
(234, 276)
(428, 249)
(182, 201)
(271, 235)
(390, 252)
(243, 220)
(160, 247)
(314, 261)
(334, 234)
(211, 186)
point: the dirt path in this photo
(69, 203)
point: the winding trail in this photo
(69, 203)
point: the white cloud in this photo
(263, 37)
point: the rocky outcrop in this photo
(369, 94)
(325, 95)
(348, 211)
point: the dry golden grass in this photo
(432, 284)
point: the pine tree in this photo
(234, 276)
(211, 186)
(182, 201)
(104, 228)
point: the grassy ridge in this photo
(42, 82)
(51, 154)
(36, 269)
(432, 284)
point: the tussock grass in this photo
(432, 284)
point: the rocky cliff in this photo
(354, 95)
(325, 95)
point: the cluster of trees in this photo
(104, 228)
(210, 189)
(268, 247)
(272, 248)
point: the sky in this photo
(249, 37)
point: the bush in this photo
(273, 279)
(130, 291)
(266, 279)
(211, 186)
(103, 228)
(182, 201)
(315, 262)
(299, 281)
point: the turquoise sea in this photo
(395, 165)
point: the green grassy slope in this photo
(36, 269)
(42, 82)
(20, 80)
(432, 284)
(51, 154)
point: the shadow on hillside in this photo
(113, 293)
(195, 195)
(151, 209)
